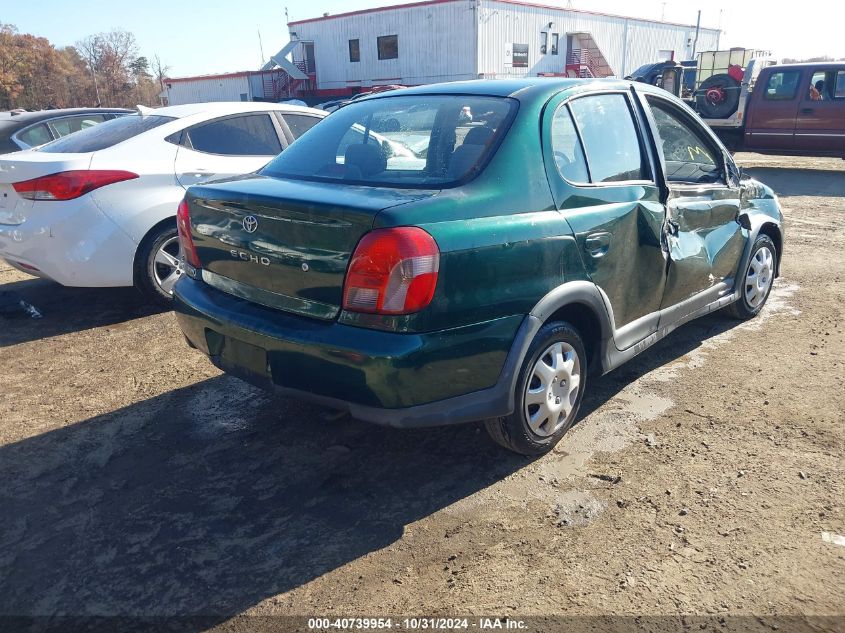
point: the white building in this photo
(256, 85)
(449, 40)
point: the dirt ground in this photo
(137, 480)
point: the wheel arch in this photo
(150, 235)
(139, 266)
(773, 231)
(579, 303)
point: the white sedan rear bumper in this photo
(70, 242)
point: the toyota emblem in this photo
(250, 224)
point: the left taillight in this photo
(183, 224)
(68, 185)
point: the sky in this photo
(214, 36)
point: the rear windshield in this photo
(399, 141)
(105, 135)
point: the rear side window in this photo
(251, 135)
(69, 125)
(35, 135)
(782, 85)
(106, 134)
(401, 141)
(840, 85)
(611, 142)
(299, 124)
(569, 156)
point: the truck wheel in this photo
(549, 390)
(717, 97)
(756, 280)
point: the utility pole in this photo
(697, 28)
(663, 13)
(261, 47)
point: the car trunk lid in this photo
(284, 243)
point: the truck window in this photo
(821, 86)
(782, 85)
(840, 85)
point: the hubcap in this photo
(552, 389)
(166, 266)
(758, 279)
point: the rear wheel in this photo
(157, 265)
(549, 391)
(757, 280)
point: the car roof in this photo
(25, 118)
(222, 108)
(831, 64)
(526, 89)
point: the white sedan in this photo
(98, 208)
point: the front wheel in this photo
(550, 387)
(157, 265)
(756, 281)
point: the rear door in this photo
(602, 180)
(820, 126)
(703, 239)
(770, 123)
(228, 146)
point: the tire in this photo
(723, 109)
(756, 280)
(551, 419)
(156, 264)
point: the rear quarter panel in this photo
(138, 205)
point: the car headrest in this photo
(368, 158)
(478, 136)
(463, 159)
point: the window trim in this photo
(379, 39)
(544, 42)
(555, 50)
(185, 140)
(711, 139)
(358, 51)
(645, 150)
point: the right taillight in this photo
(183, 224)
(392, 271)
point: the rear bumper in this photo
(395, 379)
(70, 242)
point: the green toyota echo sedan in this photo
(415, 268)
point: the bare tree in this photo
(160, 71)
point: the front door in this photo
(771, 118)
(702, 237)
(229, 146)
(820, 126)
(603, 185)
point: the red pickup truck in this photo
(791, 109)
